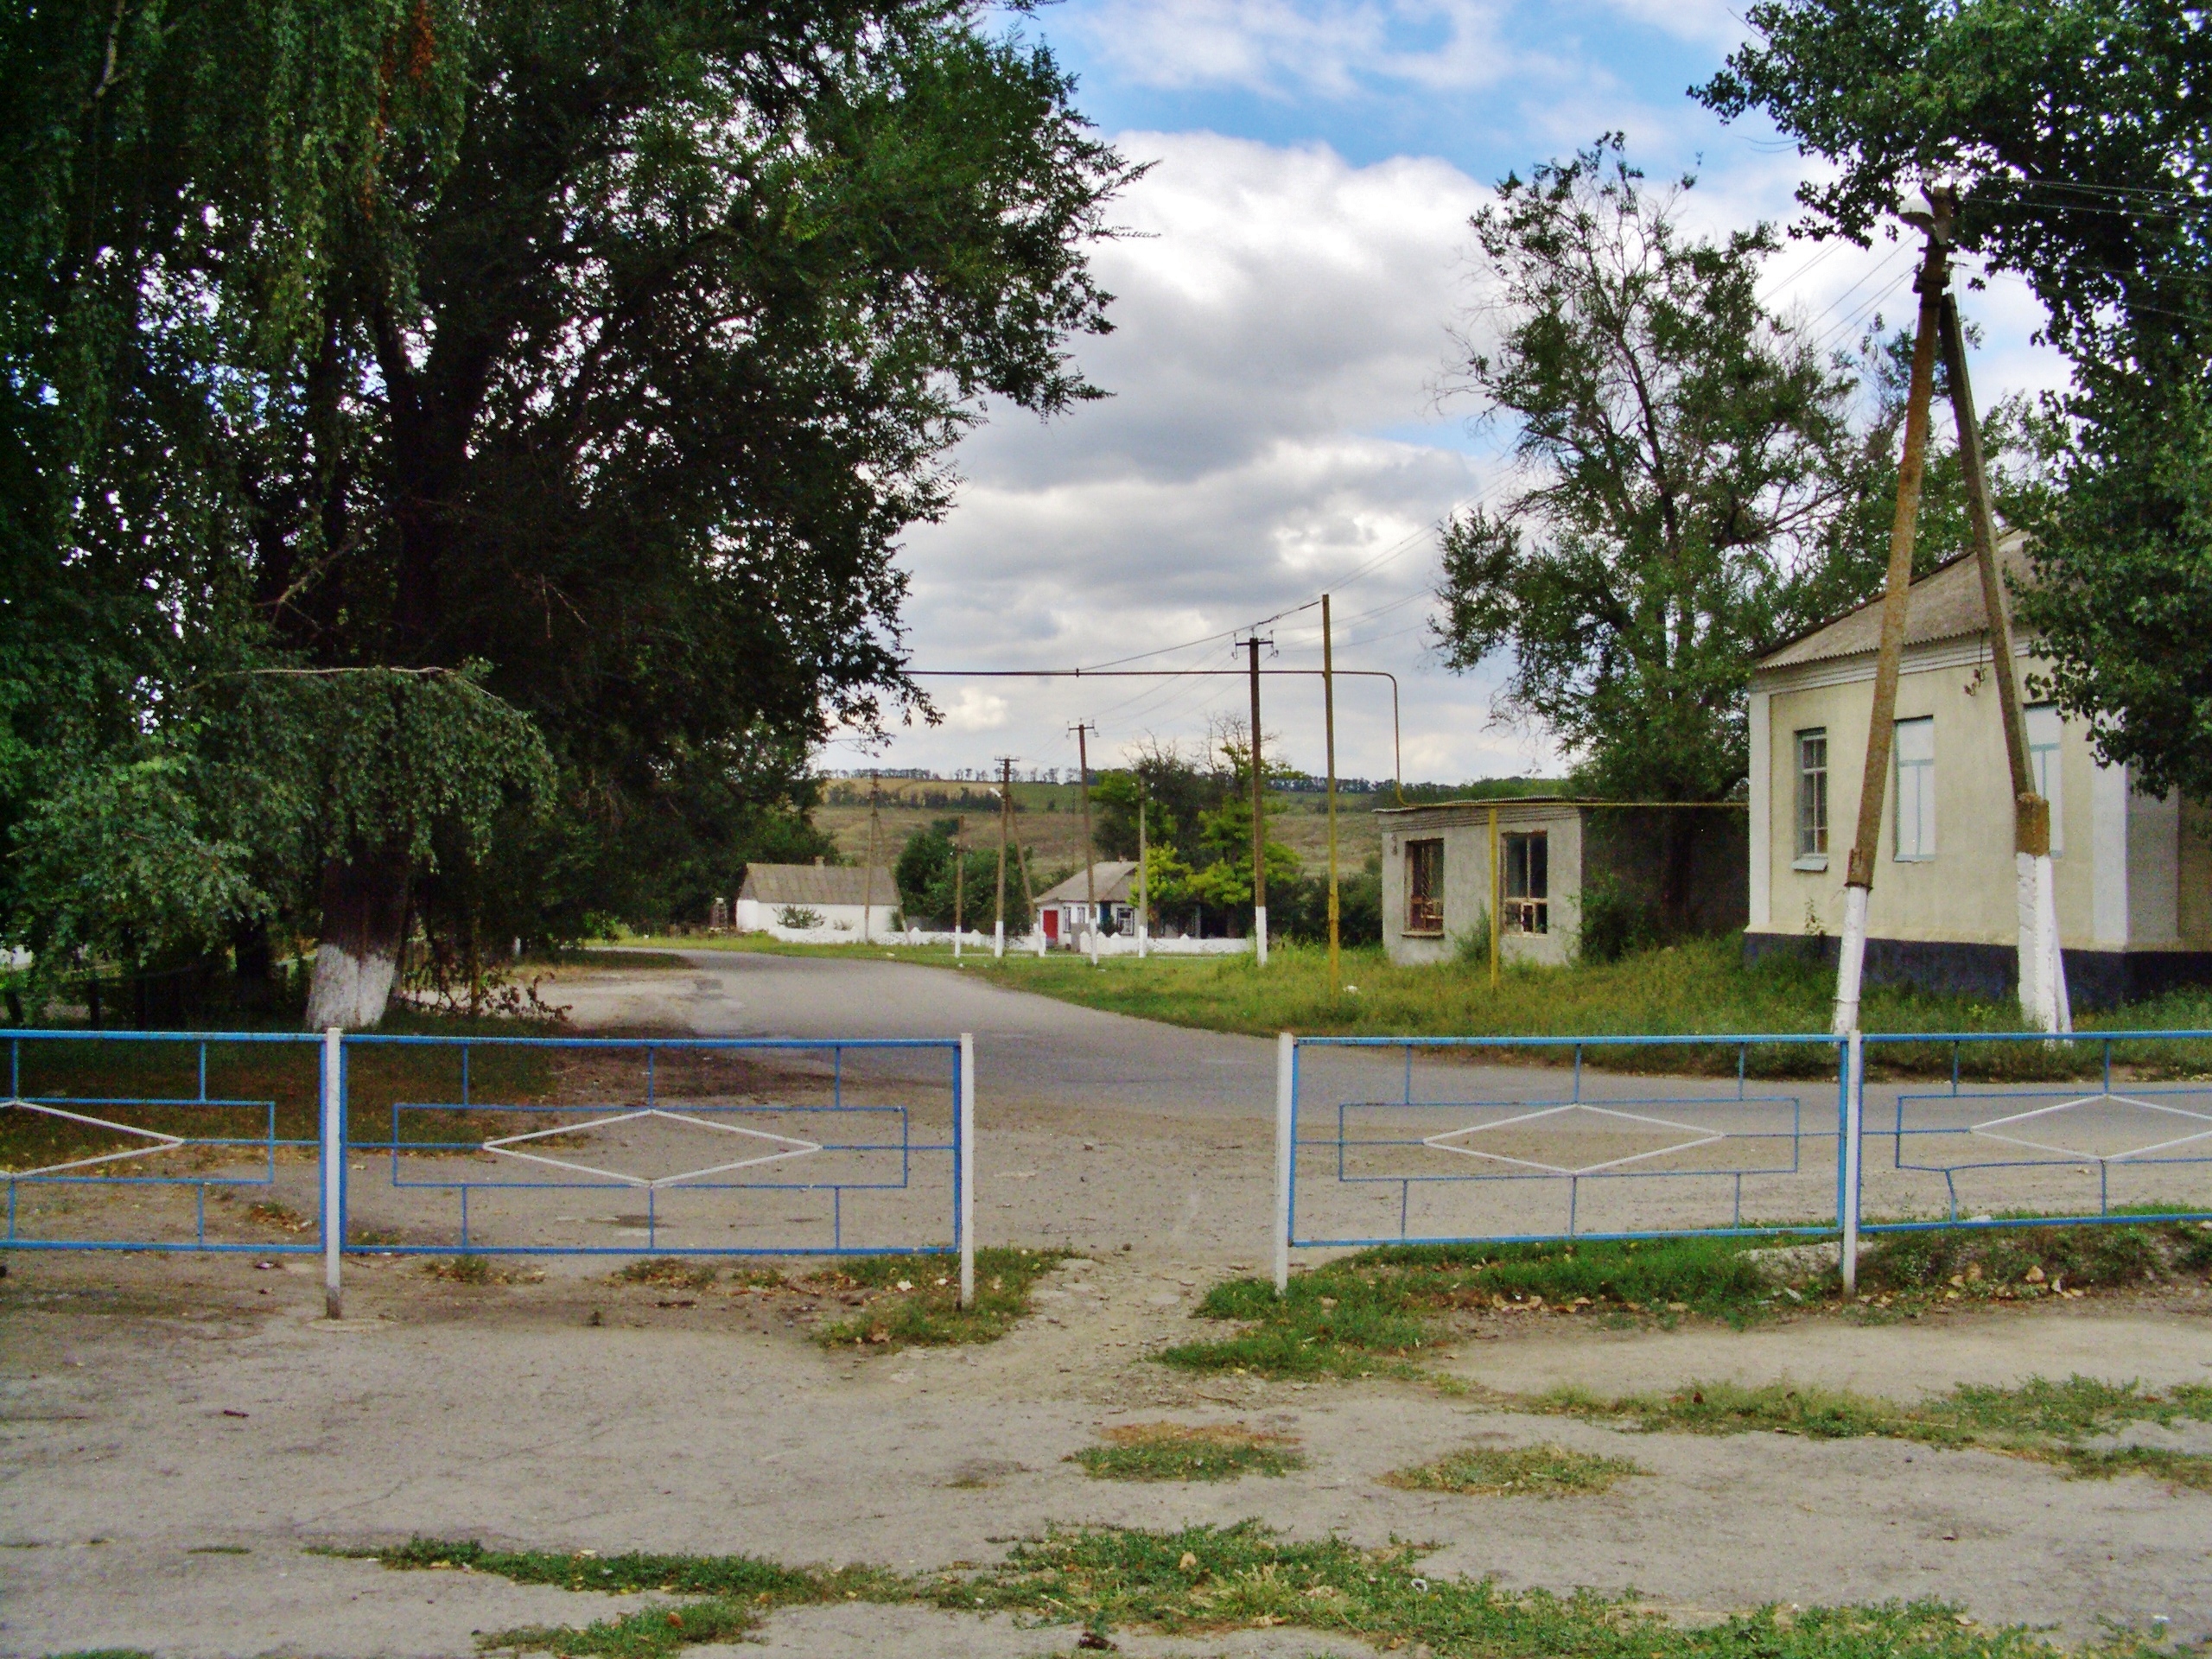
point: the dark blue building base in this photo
(2094, 979)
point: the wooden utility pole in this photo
(1329, 729)
(1029, 898)
(959, 878)
(1089, 853)
(1005, 825)
(2044, 1004)
(1859, 877)
(1259, 815)
(1497, 898)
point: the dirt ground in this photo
(180, 1430)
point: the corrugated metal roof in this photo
(818, 884)
(1116, 883)
(1945, 604)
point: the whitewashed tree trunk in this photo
(364, 921)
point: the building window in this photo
(1915, 830)
(2043, 728)
(1424, 887)
(1527, 883)
(1813, 798)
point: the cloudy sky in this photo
(1293, 264)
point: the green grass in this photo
(1386, 1309)
(1516, 1471)
(2041, 1419)
(914, 1301)
(672, 1272)
(1187, 1451)
(1199, 1580)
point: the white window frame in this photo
(2046, 731)
(1912, 824)
(1814, 856)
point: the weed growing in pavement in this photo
(2041, 1419)
(1516, 1471)
(1381, 1310)
(914, 1301)
(1188, 1451)
(672, 1272)
(460, 1270)
(1203, 1580)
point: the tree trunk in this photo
(363, 922)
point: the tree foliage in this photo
(2081, 133)
(591, 356)
(1693, 472)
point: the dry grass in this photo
(1516, 1471)
(1188, 1451)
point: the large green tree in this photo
(2081, 133)
(635, 336)
(1691, 480)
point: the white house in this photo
(832, 902)
(2133, 873)
(1065, 911)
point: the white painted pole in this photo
(1850, 961)
(998, 937)
(1855, 1117)
(966, 1109)
(334, 1173)
(1260, 932)
(1286, 1149)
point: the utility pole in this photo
(1089, 853)
(1144, 908)
(2044, 1004)
(959, 878)
(867, 881)
(1006, 824)
(1858, 878)
(1259, 813)
(1329, 729)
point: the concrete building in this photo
(2133, 873)
(1555, 857)
(834, 903)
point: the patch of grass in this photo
(1188, 1451)
(1380, 1311)
(1202, 1579)
(2041, 1419)
(1516, 1471)
(460, 1270)
(1381, 1308)
(218, 1549)
(104, 1653)
(672, 1271)
(1697, 986)
(914, 1301)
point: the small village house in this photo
(2133, 873)
(817, 901)
(1555, 857)
(1064, 910)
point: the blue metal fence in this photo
(97, 1161)
(152, 1144)
(2038, 1152)
(1501, 1164)
(474, 1151)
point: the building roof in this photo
(818, 884)
(1116, 879)
(1945, 604)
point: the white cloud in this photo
(1282, 316)
(1281, 319)
(1275, 47)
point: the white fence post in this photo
(967, 1155)
(1854, 1115)
(1286, 1148)
(333, 1172)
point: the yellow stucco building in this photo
(2133, 873)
